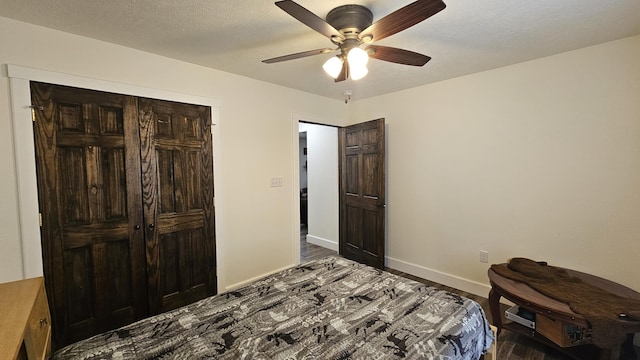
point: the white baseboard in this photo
(453, 281)
(325, 243)
(245, 282)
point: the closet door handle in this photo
(151, 226)
(137, 227)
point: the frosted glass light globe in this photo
(333, 67)
(358, 72)
(357, 57)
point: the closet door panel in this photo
(87, 160)
(178, 206)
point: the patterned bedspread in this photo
(331, 308)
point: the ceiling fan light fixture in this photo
(357, 57)
(357, 72)
(333, 66)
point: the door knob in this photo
(137, 227)
(151, 226)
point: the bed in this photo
(331, 308)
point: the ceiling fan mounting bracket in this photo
(350, 20)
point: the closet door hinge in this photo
(40, 219)
(33, 111)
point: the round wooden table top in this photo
(521, 293)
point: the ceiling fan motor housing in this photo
(350, 20)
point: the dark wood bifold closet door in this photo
(126, 194)
(362, 192)
(89, 193)
(178, 202)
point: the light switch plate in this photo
(276, 182)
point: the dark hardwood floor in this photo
(511, 346)
(310, 251)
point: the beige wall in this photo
(540, 159)
(256, 228)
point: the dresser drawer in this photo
(37, 337)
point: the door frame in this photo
(25, 163)
(324, 229)
(296, 118)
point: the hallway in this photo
(310, 251)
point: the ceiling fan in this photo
(350, 26)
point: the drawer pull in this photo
(43, 322)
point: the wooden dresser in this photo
(25, 321)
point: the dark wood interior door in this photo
(177, 179)
(362, 192)
(88, 164)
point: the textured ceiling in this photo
(235, 35)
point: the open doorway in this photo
(303, 183)
(319, 200)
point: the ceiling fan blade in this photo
(298, 55)
(402, 19)
(398, 56)
(344, 73)
(310, 19)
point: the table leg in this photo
(609, 354)
(627, 349)
(615, 353)
(494, 307)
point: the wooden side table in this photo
(523, 295)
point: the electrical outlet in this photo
(484, 256)
(276, 182)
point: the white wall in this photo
(256, 230)
(322, 178)
(539, 159)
